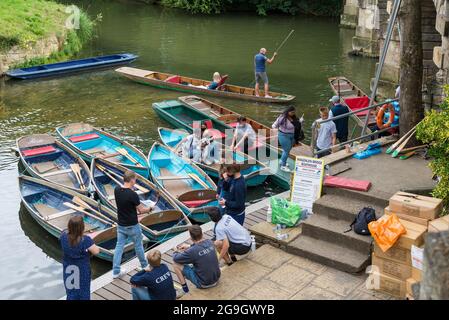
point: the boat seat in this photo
(84, 137)
(173, 79)
(38, 151)
(45, 210)
(55, 173)
(59, 214)
(175, 187)
(195, 203)
(161, 162)
(44, 167)
(94, 151)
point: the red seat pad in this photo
(38, 151)
(346, 183)
(84, 137)
(233, 124)
(357, 103)
(217, 134)
(195, 203)
(173, 79)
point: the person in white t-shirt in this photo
(244, 134)
(327, 133)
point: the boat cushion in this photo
(38, 151)
(233, 124)
(208, 124)
(346, 183)
(173, 79)
(222, 81)
(216, 134)
(195, 203)
(84, 137)
(357, 103)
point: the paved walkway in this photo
(272, 274)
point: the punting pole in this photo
(285, 40)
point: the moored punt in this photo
(46, 158)
(254, 172)
(163, 222)
(52, 207)
(193, 190)
(186, 84)
(54, 69)
(90, 142)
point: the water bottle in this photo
(269, 214)
(253, 243)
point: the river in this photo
(170, 41)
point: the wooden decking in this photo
(106, 288)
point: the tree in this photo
(411, 69)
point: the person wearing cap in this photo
(260, 60)
(341, 124)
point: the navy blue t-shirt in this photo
(259, 62)
(158, 281)
(341, 124)
(236, 197)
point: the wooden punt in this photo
(46, 158)
(164, 222)
(186, 84)
(193, 190)
(52, 206)
(90, 142)
(254, 172)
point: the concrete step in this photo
(323, 227)
(339, 206)
(373, 198)
(329, 254)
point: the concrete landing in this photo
(272, 274)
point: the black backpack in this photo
(360, 223)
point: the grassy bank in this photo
(23, 22)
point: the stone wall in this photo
(441, 52)
(19, 54)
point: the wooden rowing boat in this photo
(52, 206)
(90, 142)
(186, 84)
(46, 158)
(180, 114)
(59, 68)
(193, 190)
(254, 172)
(165, 220)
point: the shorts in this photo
(238, 248)
(189, 272)
(261, 76)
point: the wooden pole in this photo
(411, 68)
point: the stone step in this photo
(346, 197)
(323, 227)
(329, 254)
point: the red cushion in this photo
(222, 81)
(84, 137)
(233, 124)
(195, 203)
(216, 134)
(358, 103)
(208, 124)
(173, 79)
(37, 151)
(346, 183)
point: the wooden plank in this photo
(95, 296)
(107, 295)
(118, 291)
(121, 283)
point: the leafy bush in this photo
(434, 129)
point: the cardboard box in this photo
(395, 253)
(409, 297)
(440, 224)
(409, 283)
(391, 286)
(392, 268)
(414, 236)
(416, 205)
(421, 221)
(416, 274)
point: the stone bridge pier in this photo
(369, 18)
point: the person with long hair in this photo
(289, 133)
(76, 249)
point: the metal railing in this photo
(351, 113)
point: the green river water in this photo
(169, 41)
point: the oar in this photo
(402, 145)
(80, 209)
(413, 148)
(108, 172)
(84, 204)
(407, 155)
(103, 169)
(126, 154)
(397, 143)
(76, 171)
(198, 179)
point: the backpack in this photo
(299, 133)
(360, 223)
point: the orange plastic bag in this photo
(386, 231)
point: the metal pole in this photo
(391, 22)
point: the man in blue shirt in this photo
(235, 200)
(260, 60)
(341, 124)
(154, 282)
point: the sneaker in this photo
(233, 258)
(180, 293)
(268, 96)
(285, 169)
(120, 275)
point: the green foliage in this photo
(434, 129)
(262, 7)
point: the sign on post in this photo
(307, 182)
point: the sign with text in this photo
(307, 182)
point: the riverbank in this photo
(39, 31)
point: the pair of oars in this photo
(75, 167)
(126, 154)
(83, 206)
(109, 174)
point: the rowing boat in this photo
(193, 190)
(52, 207)
(165, 220)
(178, 114)
(254, 172)
(191, 85)
(55, 69)
(46, 158)
(90, 142)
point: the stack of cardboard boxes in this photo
(394, 268)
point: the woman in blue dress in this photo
(76, 248)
